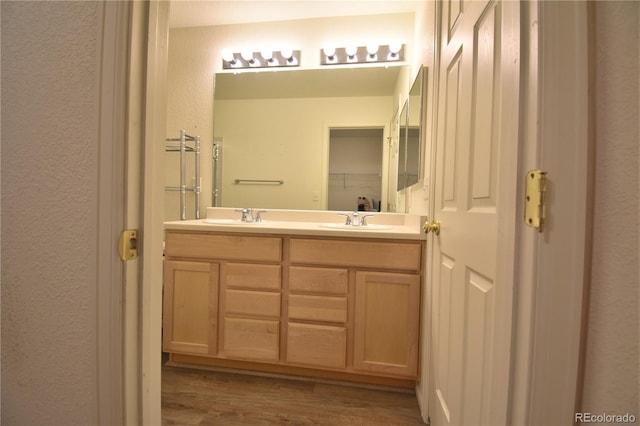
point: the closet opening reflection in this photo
(355, 169)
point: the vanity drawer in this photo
(226, 247)
(317, 345)
(372, 254)
(246, 302)
(249, 275)
(317, 308)
(251, 339)
(318, 280)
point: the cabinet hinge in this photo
(128, 244)
(534, 210)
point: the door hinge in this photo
(534, 208)
(128, 244)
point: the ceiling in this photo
(194, 13)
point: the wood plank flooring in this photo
(193, 397)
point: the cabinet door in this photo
(190, 307)
(387, 323)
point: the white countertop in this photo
(306, 222)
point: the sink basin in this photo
(229, 222)
(368, 227)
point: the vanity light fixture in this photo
(353, 54)
(265, 59)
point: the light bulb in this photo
(395, 47)
(267, 54)
(329, 51)
(372, 49)
(247, 55)
(351, 49)
(227, 55)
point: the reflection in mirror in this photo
(276, 126)
(355, 169)
(414, 130)
(392, 163)
(402, 147)
(409, 160)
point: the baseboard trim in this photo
(292, 373)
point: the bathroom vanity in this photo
(298, 293)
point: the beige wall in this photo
(50, 107)
(195, 57)
(424, 54)
(612, 359)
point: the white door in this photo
(475, 195)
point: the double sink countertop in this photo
(307, 222)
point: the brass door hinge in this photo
(128, 244)
(534, 208)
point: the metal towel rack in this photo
(183, 148)
(276, 181)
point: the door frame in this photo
(536, 369)
(156, 35)
(112, 92)
(553, 266)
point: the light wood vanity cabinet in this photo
(383, 282)
(341, 308)
(245, 276)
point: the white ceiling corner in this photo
(195, 13)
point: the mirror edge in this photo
(424, 76)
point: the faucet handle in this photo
(258, 218)
(363, 219)
(348, 220)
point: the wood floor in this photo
(201, 397)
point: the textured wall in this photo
(49, 182)
(612, 360)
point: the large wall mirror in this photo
(277, 131)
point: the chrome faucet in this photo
(247, 215)
(355, 219)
